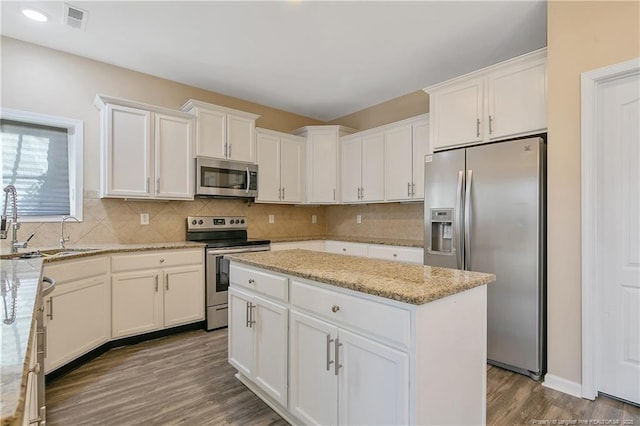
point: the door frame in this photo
(590, 81)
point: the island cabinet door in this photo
(313, 383)
(240, 332)
(373, 382)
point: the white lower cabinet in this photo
(338, 377)
(156, 290)
(76, 313)
(258, 341)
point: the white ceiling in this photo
(319, 59)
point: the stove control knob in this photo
(242, 221)
(200, 222)
(232, 221)
(193, 222)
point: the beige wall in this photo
(47, 81)
(582, 36)
(397, 109)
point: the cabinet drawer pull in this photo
(162, 260)
(329, 362)
(344, 249)
(395, 254)
(335, 308)
(251, 281)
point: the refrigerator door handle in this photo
(467, 220)
(458, 222)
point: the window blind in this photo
(35, 159)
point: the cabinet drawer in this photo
(398, 254)
(390, 323)
(73, 270)
(262, 282)
(340, 247)
(156, 259)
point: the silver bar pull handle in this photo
(490, 125)
(146, 188)
(477, 127)
(458, 221)
(329, 361)
(251, 320)
(229, 150)
(156, 283)
(467, 221)
(408, 189)
(167, 281)
(50, 314)
(413, 189)
(362, 193)
(283, 188)
(334, 194)
(247, 323)
(157, 185)
(337, 364)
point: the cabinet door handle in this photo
(490, 125)
(157, 185)
(225, 150)
(50, 314)
(156, 283)
(167, 281)
(413, 189)
(279, 193)
(329, 362)
(229, 150)
(337, 364)
(247, 322)
(146, 188)
(251, 320)
(408, 189)
(334, 194)
(283, 188)
(477, 127)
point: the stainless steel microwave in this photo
(224, 178)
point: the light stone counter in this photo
(20, 284)
(364, 240)
(415, 284)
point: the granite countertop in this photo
(415, 284)
(20, 285)
(77, 251)
(365, 240)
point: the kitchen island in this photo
(333, 339)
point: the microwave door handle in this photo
(248, 180)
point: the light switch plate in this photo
(144, 218)
(358, 218)
(314, 218)
(272, 218)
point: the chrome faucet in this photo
(15, 225)
(64, 239)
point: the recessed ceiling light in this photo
(35, 15)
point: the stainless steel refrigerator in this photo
(485, 212)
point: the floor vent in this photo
(75, 17)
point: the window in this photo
(42, 157)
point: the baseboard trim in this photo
(563, 385)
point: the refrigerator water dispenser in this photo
(442, 231)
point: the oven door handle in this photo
(219, 251)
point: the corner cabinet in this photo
(222, 132)
(405, 145)
(281, 171)
(505, 100)
(156, 290)
(146, 151)
(323, 162)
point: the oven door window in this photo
(214, 177)
(222, 274)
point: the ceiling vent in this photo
(75, 17)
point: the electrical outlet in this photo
(144, 218)
(314, 218)
(272, 218)
(358, 218)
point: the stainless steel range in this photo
(223, 235)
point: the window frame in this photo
(75, 134)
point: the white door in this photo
(420, 149)
(398, 159)
(211, 133)
(619, 237)
(136, 303)
(322, 166)
(292, 160)
(269, 188)
(271, 344)
(240, 332)
(373, 167)
(240, 138)
(313, 384)
(173, 157)
(350, 169)
(373, 383)
(183, 295)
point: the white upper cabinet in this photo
(405, 145)
(362, 167)
(281, 165)
(505, 100)
(223, 132)
(322, 162)
(146, 151)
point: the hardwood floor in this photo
(186, 379)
